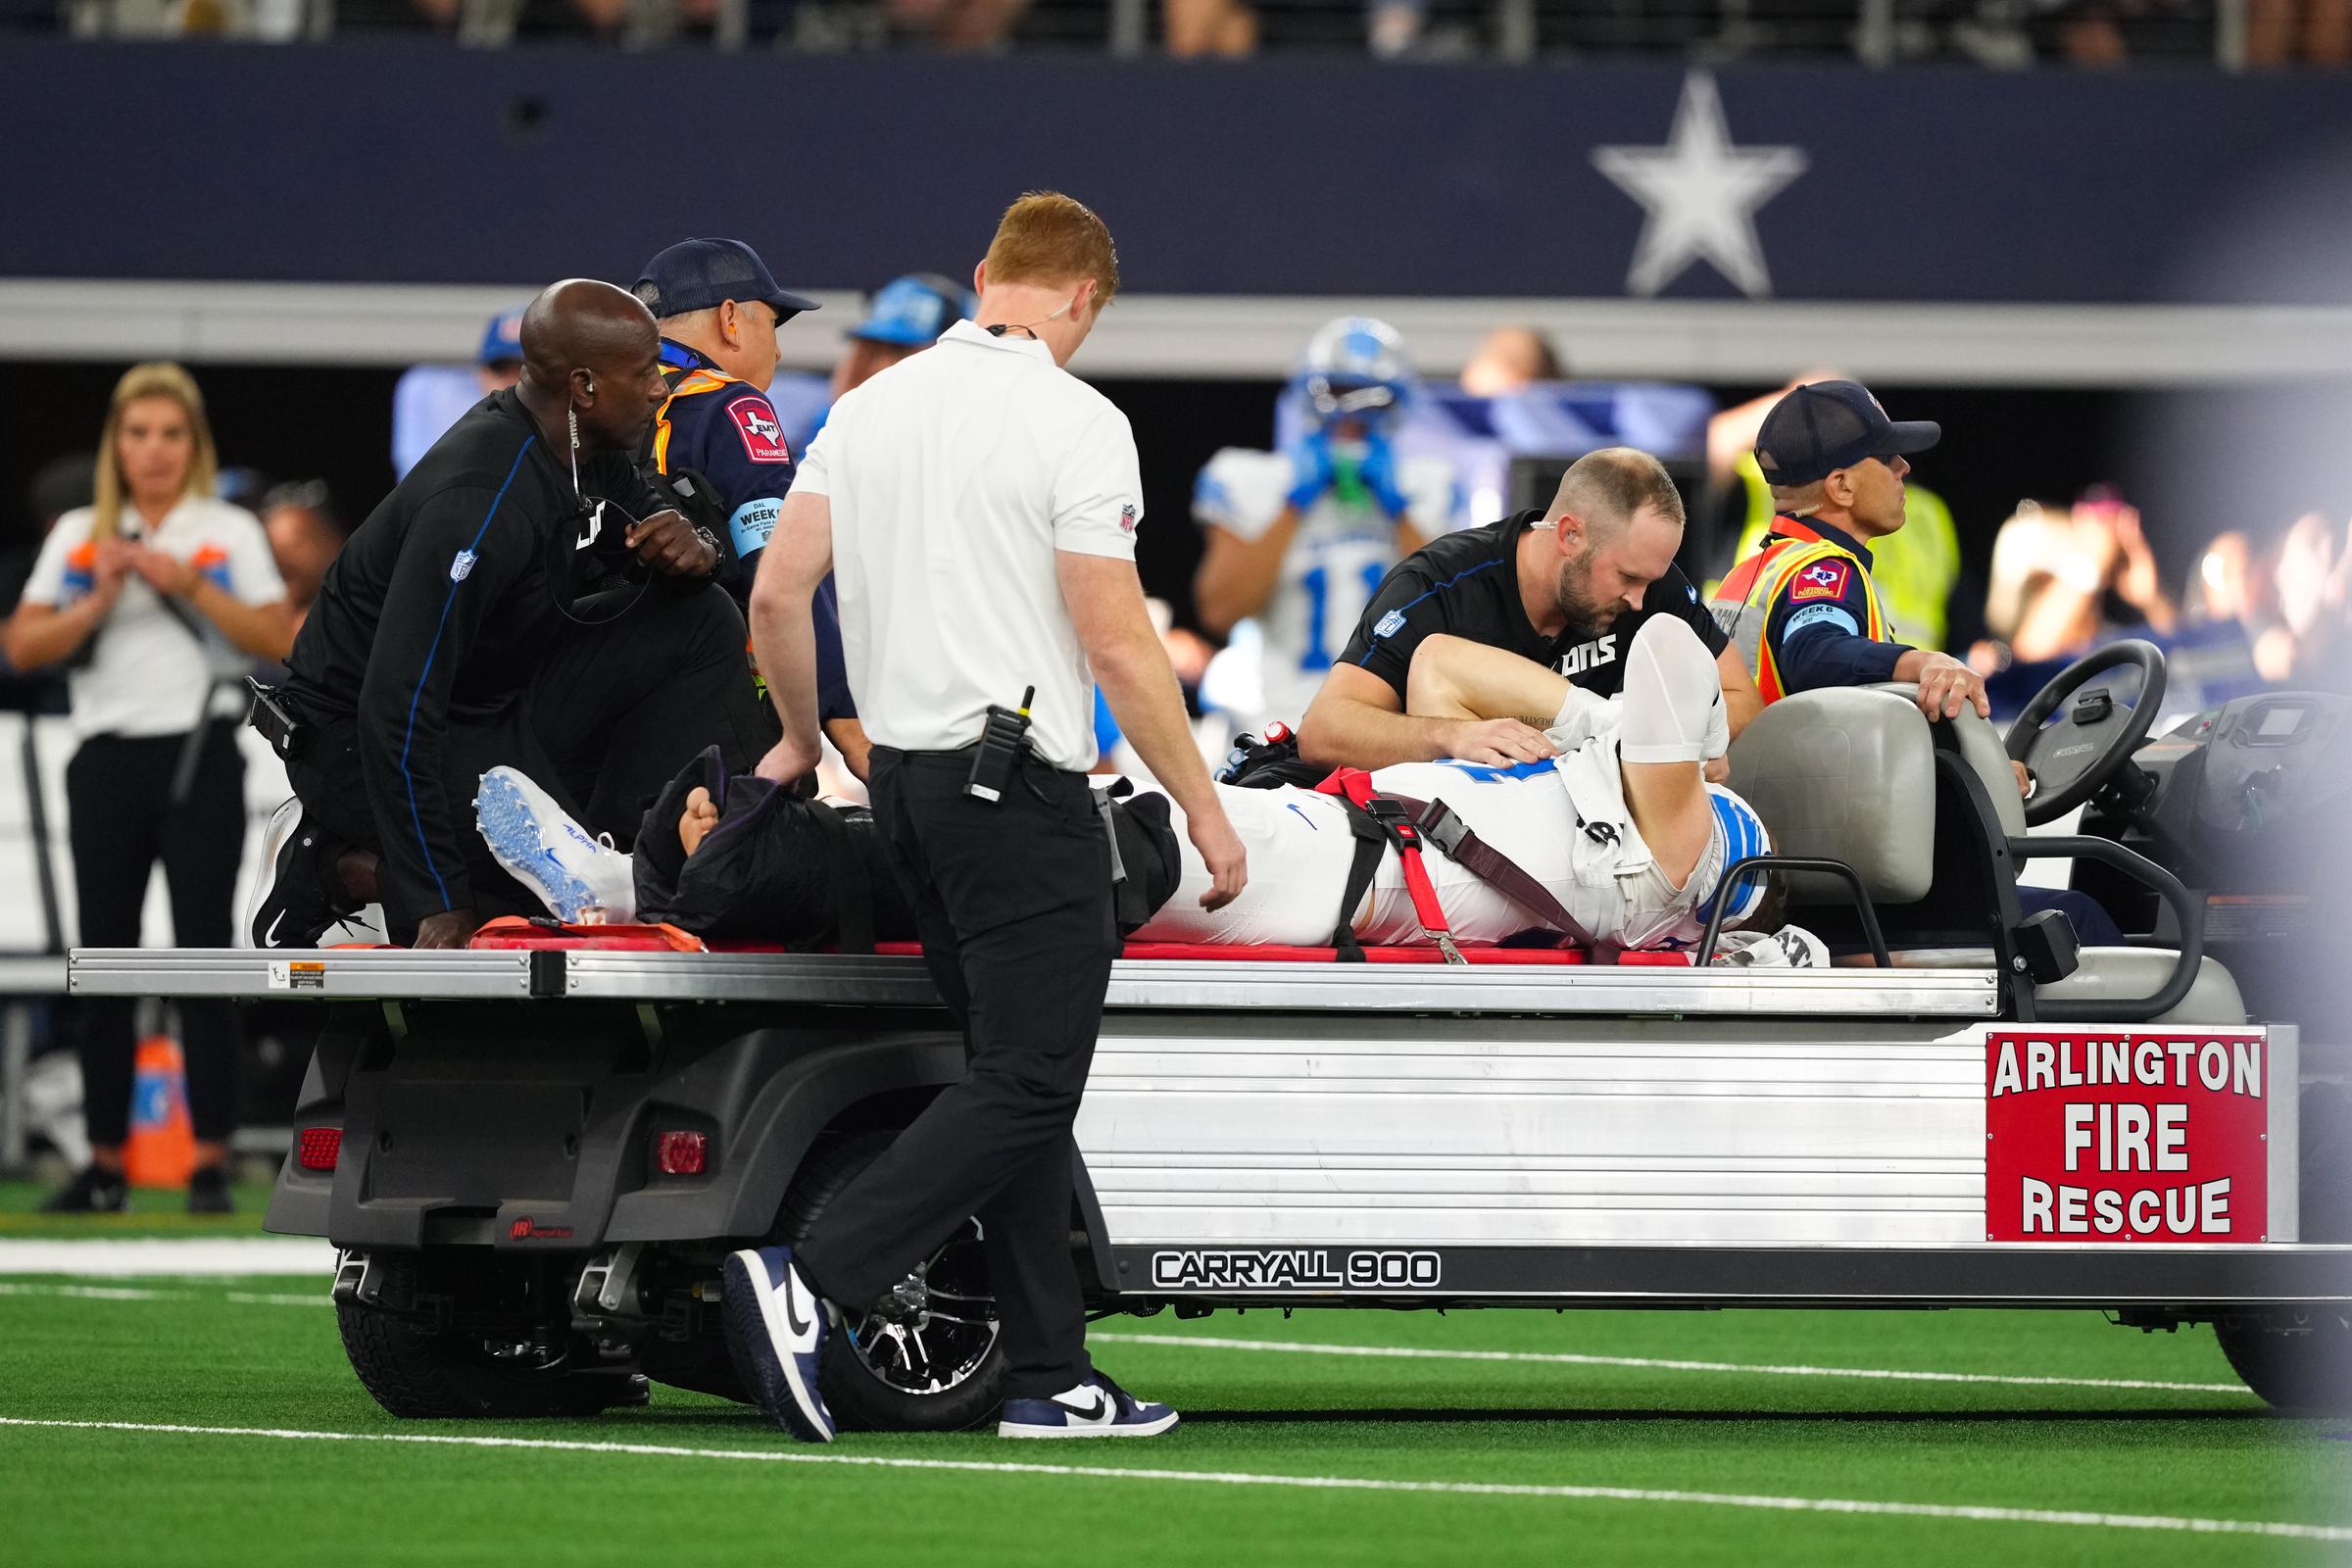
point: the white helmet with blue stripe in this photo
(1354, 368)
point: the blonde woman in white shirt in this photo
(157, 599)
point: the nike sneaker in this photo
(294, 901)
(776, 1328)
(93, 1192)
(1791, 947)
(1095, 1408)
(579, 877)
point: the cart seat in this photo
(2111, 974)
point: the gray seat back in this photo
(1980, 748)
(1845, 774)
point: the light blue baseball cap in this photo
(914, 310)
(502, 339)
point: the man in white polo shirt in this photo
(977, 507)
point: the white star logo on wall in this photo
(1700, 194)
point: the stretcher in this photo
(532, 1154)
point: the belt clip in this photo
(1443, 828)
(1444, 941)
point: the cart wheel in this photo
(924, 1357)
(2300, 1361)
(421, 1374)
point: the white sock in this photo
(1581, 715)
(1673, 696)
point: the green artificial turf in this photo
(152, 1212)
(190, 1353)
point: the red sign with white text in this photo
(2105, 1135)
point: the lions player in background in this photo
(1299, 540)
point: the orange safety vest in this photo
(702, 378)
(1743, 601)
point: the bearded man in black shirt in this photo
(1566, 587)
(521, 596)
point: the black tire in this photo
(867, 1390)
(420, 1375)
(2299, 1362)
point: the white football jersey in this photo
(1335, 564)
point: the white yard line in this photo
(1654, 1363)
(2081, 1519)
(121, 1257)
(1211, 1343)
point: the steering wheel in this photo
(2072, 759)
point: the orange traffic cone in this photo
(162, 1149)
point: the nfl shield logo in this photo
(462, 566)
(1389, 625)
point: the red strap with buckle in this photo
(1354, 786)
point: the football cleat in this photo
(579, 877)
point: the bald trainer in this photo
(452, 635)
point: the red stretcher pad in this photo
(511, 932)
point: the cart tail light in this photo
(681, 1153)
(319, 1147)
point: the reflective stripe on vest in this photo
(1742, 603)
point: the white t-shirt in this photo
(1335, 564)
(954, 475)
(146, 675)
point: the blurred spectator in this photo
(305, 534)
(2317, 32)
(1510, 360)
(158, 597)
(956, 24)
(2059, 579)
(2309, 646)
(430, 398)
(906, 318)
(1210, 27)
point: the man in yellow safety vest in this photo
(1803, 611)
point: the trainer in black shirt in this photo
(1566, 587)
(448, 638)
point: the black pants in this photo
(1014, 904)
(613, 709)
(121, 821)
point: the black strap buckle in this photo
(1442, 827)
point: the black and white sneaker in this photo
(776, 1336)
(1095, 1408)
(93, 1192)
(293, 902)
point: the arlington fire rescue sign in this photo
(2136, 1135)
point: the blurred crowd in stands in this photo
(1992, 33)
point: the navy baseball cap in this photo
(696, 275)
(1833, 424)
(502, 339)
(913, 310)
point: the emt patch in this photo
(762, 436)
(1824, 579)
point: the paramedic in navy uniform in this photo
(715, 442)
(978, 506)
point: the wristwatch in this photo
(710, 540)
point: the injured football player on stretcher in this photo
(1617, 841)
